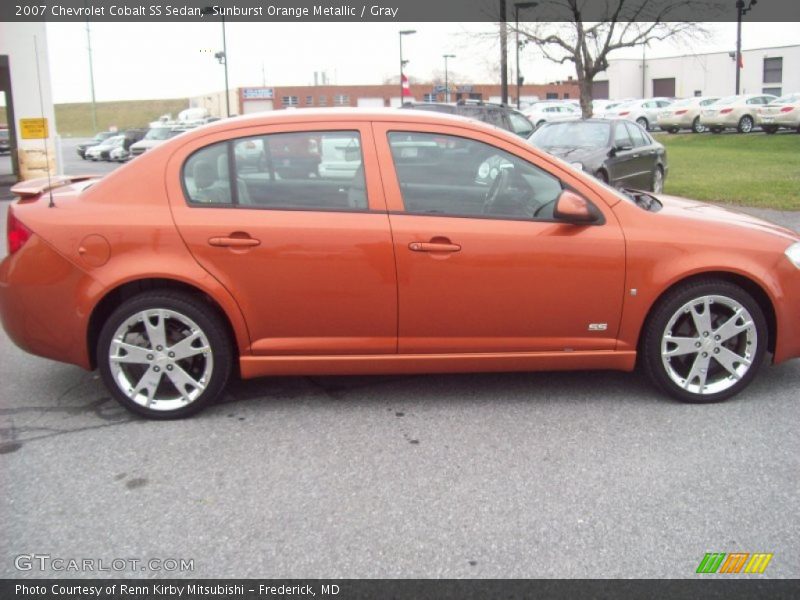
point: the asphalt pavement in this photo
(588, 474)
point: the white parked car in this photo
(103, 150)
(551, 112)
(734, 112)
(644, 112)
(154, 137)
(685, 114)
(783, 112)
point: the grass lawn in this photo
(748, 170)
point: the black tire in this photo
(697, 126)
(643, 123)
(208, 322)
(746, 124)
(671, 306)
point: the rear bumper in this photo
(40, 305)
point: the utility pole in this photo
(446, 82)
(741, 11)
(503, 53)
(91, 77)
(517, 7)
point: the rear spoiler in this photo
(36, 187)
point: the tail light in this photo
(625, 113)
(787, 109)
(725, 111)
(681, 112)
(18, 234)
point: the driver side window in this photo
(453, 176)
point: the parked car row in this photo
(119, 147)
(743, 113)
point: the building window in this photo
(309, 100)
(429, 98)
(289, 101)
(341, 100)
(774, 91)
(698, 93)
(551, 96)
(323, 101)
(566, 96)
(773, 70)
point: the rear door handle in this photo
(234, 242)
(433, 247)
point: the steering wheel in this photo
(497, 188)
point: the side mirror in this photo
(572, 208)
(619, 148)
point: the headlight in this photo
(577, 165)
(793, 254)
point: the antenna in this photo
(41, 109)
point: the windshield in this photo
(582, 134)
(158, 133)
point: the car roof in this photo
(344, 114)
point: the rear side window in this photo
(452, 176)
(205, 176)
(288, 171)
(637, 135)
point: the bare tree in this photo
(568, 37)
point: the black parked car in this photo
(100, 137)
(499, 115)
(616, 151)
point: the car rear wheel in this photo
(704, 341)
(643, 123)
(657, 186)
(164, 355)
(745, 124)
(697, 126)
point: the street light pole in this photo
(91, 77)
(403, 62)
(741, 11)
(225, 64)
(517, 7)
(446, 83)
(503, 54)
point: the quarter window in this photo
(452, 176)
(287, 171)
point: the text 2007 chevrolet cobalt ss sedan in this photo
(439, 245)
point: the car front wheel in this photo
(643, 123)
(745, 124)
(697, 126)
(164, 354)
(704, 341)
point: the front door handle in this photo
(443, 246)
(234, 242)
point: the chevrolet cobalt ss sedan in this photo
(453, 246)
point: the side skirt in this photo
(385, 364)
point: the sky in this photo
(134, 61)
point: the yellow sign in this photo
(33, 129)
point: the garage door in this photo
(664, 87)
(600, 90)
(370, 102)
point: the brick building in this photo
(255, 99)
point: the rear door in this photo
(306, 253)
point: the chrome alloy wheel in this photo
(160, 359)
(709, 344)
(658, 181)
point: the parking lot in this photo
(485, 475)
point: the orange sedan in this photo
(352, 242)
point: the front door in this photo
(482, 264)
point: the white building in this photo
(27, 96)
(765, 71)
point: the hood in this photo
(577, 154)
(697, 211)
